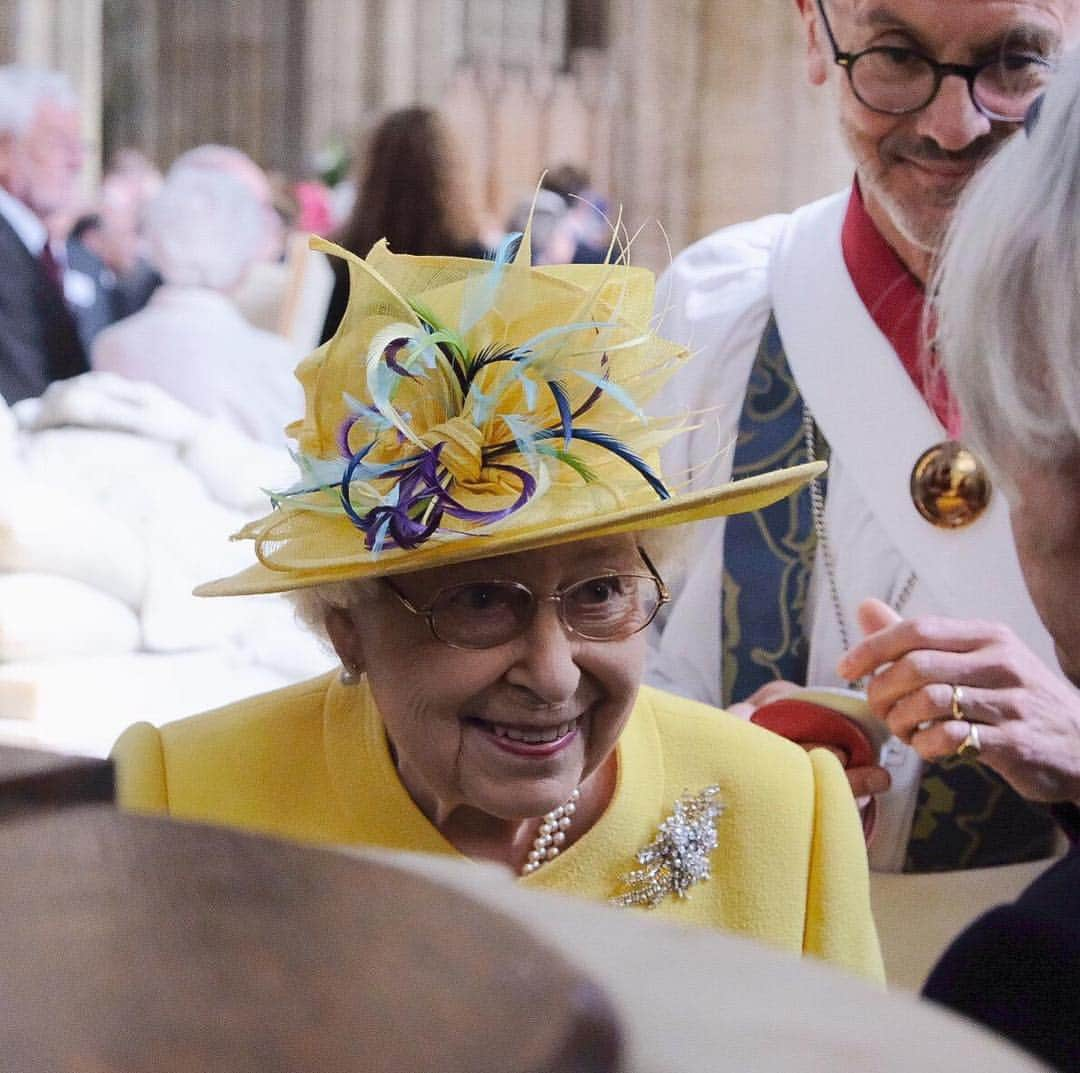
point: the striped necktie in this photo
(51, 267)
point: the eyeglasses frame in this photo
(428, 612)
(967, 72)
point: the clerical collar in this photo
(895, 300)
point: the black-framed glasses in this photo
(483, 614)
(894, 80)
(1031, 116)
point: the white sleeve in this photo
(715, 300)
(109, 353)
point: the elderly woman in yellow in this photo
(475, 527)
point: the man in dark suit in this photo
(1015, 968)
(41, 157)
(91, 288)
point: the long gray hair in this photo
(1008, 292)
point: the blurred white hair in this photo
(1008, 292)
(228, 159)
(204, 228)
(550, 217)
(23, 89)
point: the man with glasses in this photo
(812, 327)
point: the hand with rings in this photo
(970, 747)
(951, 686)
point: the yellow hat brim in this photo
(735, 497)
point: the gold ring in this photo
(970, 746)
(957, 703)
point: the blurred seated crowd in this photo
(148, 337)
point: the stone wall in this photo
(697, 114)
(717, 123)
(65, 34)
(693, 113)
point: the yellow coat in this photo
(311, 762)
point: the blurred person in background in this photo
(554, 238)
(588, 212)
(286, 286)
(89, 283)
(129, 185)
(410, 194)
(106, 274)
(41, 159)
(204, 230)
(236, 163)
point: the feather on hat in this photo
(470, 408)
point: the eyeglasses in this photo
(894, 80)
(483, 614)
(1031, 116)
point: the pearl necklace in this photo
(552, 834)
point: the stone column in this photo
(8, 30)
(658, 56)
(66, 35)
(338, 69)
(367, 56)
(770, 140)
(715, 121)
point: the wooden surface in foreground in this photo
(137, 944)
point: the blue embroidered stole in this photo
(768, 555)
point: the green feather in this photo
(578, 465)
(449, 342)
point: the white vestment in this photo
(716, 299)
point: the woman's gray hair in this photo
(312, 605)
(667, 548)
(1008, 291)
(204, 228)
(23, 89)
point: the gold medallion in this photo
(950, 486)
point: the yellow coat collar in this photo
(380, 811)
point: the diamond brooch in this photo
(679, 855)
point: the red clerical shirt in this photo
(896, 300)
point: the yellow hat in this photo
(469, 408)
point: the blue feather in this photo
(619, 394)
(620, 450)
(560, 330)
(558, 393)
(480, 292)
